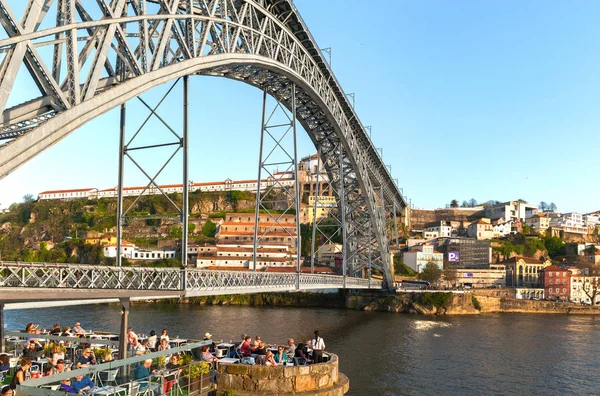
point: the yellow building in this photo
(324, 205)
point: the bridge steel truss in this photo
(116, 50)
(175, 281)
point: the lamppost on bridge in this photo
(352, 95)
(370, 131)
(380, 152)
(328, 52)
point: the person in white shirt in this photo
(78, 329)
(318, 346)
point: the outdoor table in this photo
(107, 390)
(177, 341)
(228, 360)
(227, 346)
(41, 362)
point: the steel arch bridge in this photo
(106, 52)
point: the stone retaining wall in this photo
(315, 379)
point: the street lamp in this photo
(328, 52)
(380, 151)
(353, 96)
(370, 131)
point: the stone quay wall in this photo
(321, 379)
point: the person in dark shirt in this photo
(86, 359)
(33, 350)
(301, 354)
(4, 363)
(261, 349)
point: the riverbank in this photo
(434, 303)
(439, 303)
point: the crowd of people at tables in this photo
(247, 350)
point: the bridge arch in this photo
(242, 40)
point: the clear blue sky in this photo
(470, 99)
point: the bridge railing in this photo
(78, 276)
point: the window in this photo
(550, 290)
(564, 290)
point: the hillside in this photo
(54, 230)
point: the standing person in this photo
(318, 346)
(132, 341)
(20, 374)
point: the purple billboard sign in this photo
(453, 257)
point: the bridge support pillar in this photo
(124, 325)
(278, 189)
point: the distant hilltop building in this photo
(307, 178)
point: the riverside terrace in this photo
(180, 370)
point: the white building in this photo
(512, 210)
(154, 254)
(127, 249)
(439, 229)
(418, 257)
(570, 222)
(90, 193)
(584, 287)
(503, 229)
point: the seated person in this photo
(65, 385)
(4, 362)
(290, 349)
(257, 341)
(142, 372)
(173, 366)
(33, 350)
(261, 349)
(78, 329)
(281, 356)
(56, 330)
(7, 391)
(246, 348)
(208, 337)
(164, 344)
(301, 354)
(269, 360)
(207, 356)
(20, 374)
(142, 348)
(82, 383)
(57, 353)
(60, 367)
(87, 358)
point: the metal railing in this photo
(68, 276)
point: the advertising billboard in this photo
(454, 257)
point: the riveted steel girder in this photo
(131, 46)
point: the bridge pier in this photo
(124, 324)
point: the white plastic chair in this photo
(107, 376)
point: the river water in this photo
(385, 353)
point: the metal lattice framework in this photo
(190, 282)
(115, 50)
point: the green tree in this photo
(454, 203)
(209, 229)
(543, 206)
(431, 273)
(449, 272)
(28, 198)
(552, 207)
(526, 229)
(555, 246)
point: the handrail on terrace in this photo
(29, 387)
